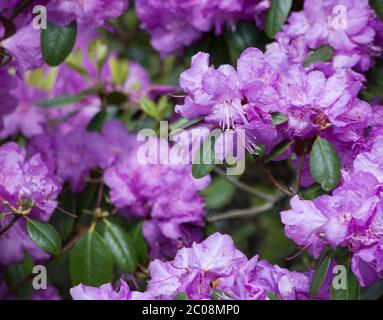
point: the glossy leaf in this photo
(323, 53)
(90, 261)
(121, 247)
(57, 42)
(44, 235)
(325, 164)
(276, 16)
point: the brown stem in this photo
(299, 174)
(243, 186)
(272, 179)
(10, 225)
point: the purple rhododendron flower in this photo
(27, 187)
(87, 13)
(176, 24)
(213, 266)
(148, 190)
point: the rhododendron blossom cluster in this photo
(121, 123)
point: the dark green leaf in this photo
(278, 118)
(204, 162)
(377, 5)
(97, 122)
(278, 150)
(323, 53)
(181, 296)
(313, 192)
(57, 42)
(140, 244)
(116, 98)
(61, 221)
(374, 81)
(219, 51)
(209, 229)
(16, 275)
(373, 292)
(276, 16)
(244, 36)
(9, 28)
(351, 293)
(218, 194)
(321, 270)
(44, 235)
(121, 247)
(90, 261)
(61, 101)
(325, 164)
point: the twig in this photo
(73, 241)
(243, 186)
(20, 8)
(272, 179)
(10, 225)
(299, 174)
(240, 213)
(67, 212)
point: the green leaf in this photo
(9, 29)
(353, 290)
(204, 161)
(324, 164)
(181, 296)
(375, 81)
(140, 244)
(321, 270)
(323, 53)
(244, 36)
(278, 150)
(373, 292)
(150, 108)
(121, 246)
(57, 42)
(119, 69)
(219, 51)
(62, 100)
(42, 79)
(61, 221)
(272, 296)
(90, 261)
(98, 52)
(278, 118)
(276, 16)
(44, 235)
(377, 5)
(17, 274)
(218, 194)
(116, 98)
(97, 122)
(313, 192)
(75, 62)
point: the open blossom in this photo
(26, 187)
(176, 24)
(350, 217)
(213, 266)
(350, 27)
(166, 194)
(87, 13)
(70, 156)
